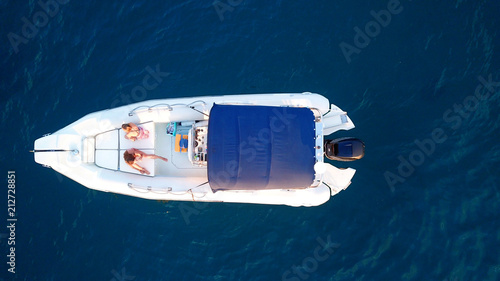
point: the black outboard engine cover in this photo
(344, 149)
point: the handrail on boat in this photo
(317, 114)
(168, 106)
(162, 190)
(147, 189)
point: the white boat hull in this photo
(78, 150)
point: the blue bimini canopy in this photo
(260, 147)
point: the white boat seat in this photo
(107, 158)
(110, 146)
(336, 120)
(107, 140)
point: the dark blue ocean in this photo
(420, 80)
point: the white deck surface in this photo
(158, 143)
(178, 163)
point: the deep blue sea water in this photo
(417, 74)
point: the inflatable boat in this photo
(260, 148)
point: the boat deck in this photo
(111, 145)
(178, 163)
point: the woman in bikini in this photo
(134, 133)
(132, 156)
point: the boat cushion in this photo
(181, 143)
(260, 147)
(107, 158)
(107, 140)
(88, 152)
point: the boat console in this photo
(198, 136)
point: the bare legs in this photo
(133, 156)
(152, 156)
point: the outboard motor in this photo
(344, 149)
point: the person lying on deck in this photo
(132, 156)
(133, 132)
